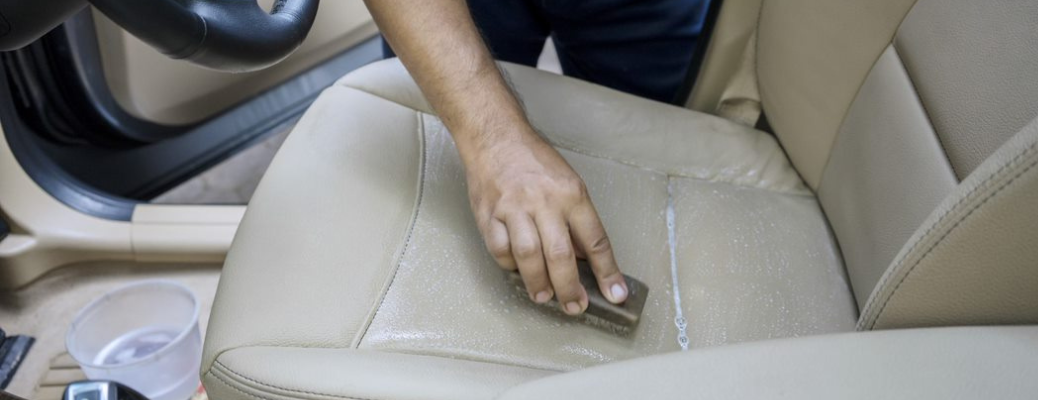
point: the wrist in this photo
(489, 144)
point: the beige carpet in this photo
(45, 308)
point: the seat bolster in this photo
(973, 261)
(944, 363)
(601, 122)
(322, 236)
(300, 373)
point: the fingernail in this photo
(619, 293)
(542, 297)
(572, 308)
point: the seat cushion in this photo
(358, 271)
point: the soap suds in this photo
(679, 315)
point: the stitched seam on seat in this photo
(926, 111)
(267, 385)
(565, 145)
(847, 111)
(362, 90)
(464, 357)
(968, 196)
(569, 146)
(881, 286)
(957, 223)
(410, 230)
(235, 388)
(843, 118)
(411, 353)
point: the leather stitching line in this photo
(410, 229)
(263, 384)
(945, 235)
(881, 286)
(843, 118)
(237, 389)
(982, 185)
(926, 110)
(362, 90)
(968, 196)
(976, 207)
(464, 357)
(565, 145)
(569, 146)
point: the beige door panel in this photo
(154, 87)
(47, 234)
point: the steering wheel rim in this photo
(225, 35)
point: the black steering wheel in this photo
(234, 35)
(226, 35)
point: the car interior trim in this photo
(174, 160)
(699, 53)
(928, 283)
(886, 174)
(840, 40)
(937, 363)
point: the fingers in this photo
(590, 235)
(526, 249)
(561, 263)
(495, 235)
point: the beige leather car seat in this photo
(899, 191)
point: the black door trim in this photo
(108, 182)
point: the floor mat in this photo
(64, 370)
(230, 182)
(45, 309)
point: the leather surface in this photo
(476, 314)
(358, 255)
(631, 201)
(297, 277)
(812, 56)
(740, 101)
(886, 174)
(946, 363)
(643, 134)
(734, 29)
(360, 241)
(756, 265)
(449, 299)
(973, 64)
(973, 261)
(302, 373)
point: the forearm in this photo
(440, 46)
(524, 195)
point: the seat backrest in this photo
(912, 120)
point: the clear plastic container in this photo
(144, 335)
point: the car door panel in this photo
(151, 86)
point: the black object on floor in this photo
(4, 230)
(100, 390)
(12, 351)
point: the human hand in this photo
(536, 217)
